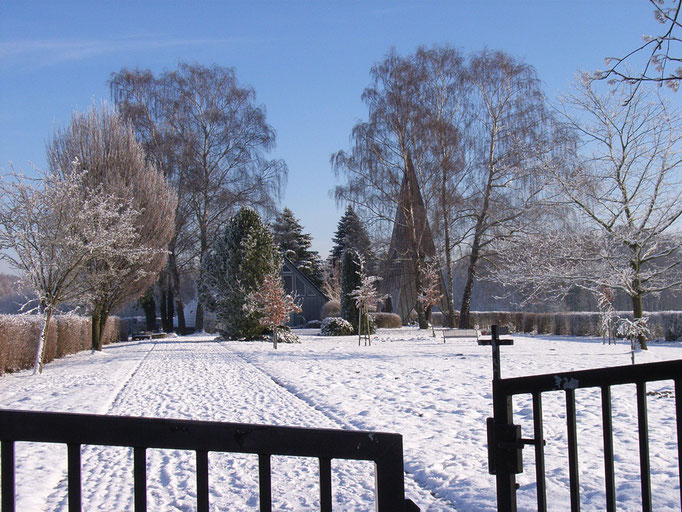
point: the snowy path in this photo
(186, 379)
(436, 395)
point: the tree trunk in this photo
(163, 305)
(42, 342)
(449, 289)
(170, 309)
(175, 286)
(274, 337)
(149, 308)
(96, 330)
(465, 309)
(637, 313)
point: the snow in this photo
(437, 395)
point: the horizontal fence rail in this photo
(202, 437)
(505, 442)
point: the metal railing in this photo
(202, 437)
(505, 442)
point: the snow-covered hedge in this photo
(336, 326)
(663, 325)
(67, 334)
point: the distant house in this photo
(307, 294)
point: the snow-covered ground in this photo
(436, 395)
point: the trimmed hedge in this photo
(386, 320)
(66, 335)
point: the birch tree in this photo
(52, 229)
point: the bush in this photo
(336, 326)
(313, 324)
(286, 335)
(67, 334)
(331, 308)
(386, 320)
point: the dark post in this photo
(494, 343)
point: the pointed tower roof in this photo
(411, 236)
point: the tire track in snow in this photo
(441, 503)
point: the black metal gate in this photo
(202, 437)
(505, 440)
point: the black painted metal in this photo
(74, 476)
(502, 457)
(538, 433)
(385, 449)
(7, 469)
(139, 477)
(609, 469)
(678, 411)
(572, 431)
(325, 485)
(644, 461)
(264, 482)
(202, 481)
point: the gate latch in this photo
(504, 446)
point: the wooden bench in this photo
(468, 334)
(148, 335)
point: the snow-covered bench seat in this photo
(468, 334)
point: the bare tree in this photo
(625, 187)
(217, 139)
(52, 228)
(102, 143)
(661, 52)
(388, 149)
(512, 134)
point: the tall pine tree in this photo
(235, 267)
(295, 245)
(350, 281)
(351, 235)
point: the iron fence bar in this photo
(7, 469)
(140, 478)
(538, 434)
(615, 375)
(678, 417)
(644, 461)
(74, 476)
(609, 468)
(325, 484)
(264, 482)
(389, 484)
(572, 429)
(202, 480)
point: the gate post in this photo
(505, 435)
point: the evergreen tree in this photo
(295, 245)
(234, 268)
(351, 235)
(350, 281)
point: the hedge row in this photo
(66, 335)
(663, 325)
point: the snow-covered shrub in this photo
(336, 326)
(313, 324)
(387, 320)
(331, 308)
(672, 327)
(286, 335)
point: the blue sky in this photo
(308, 62)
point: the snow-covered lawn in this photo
(436, 395)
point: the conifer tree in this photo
(351, 235)
(350, 281)
(234, 268)
(295, 245)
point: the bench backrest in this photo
(460, 333)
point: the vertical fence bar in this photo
(572, 429)
(389, 477)
(264, 482)
(505, 478)
(140, 478)
(538, 434)
(644, 461)
(74, 476)
(609, 469)
(202, 481)
(7, 468)
(678, 417)
(325, 484)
